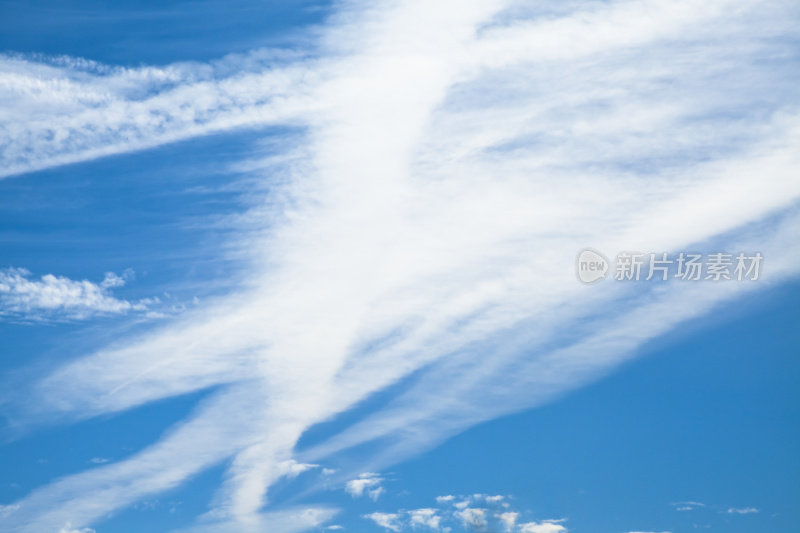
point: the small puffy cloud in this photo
(368, 483)
(112, 280)
(61, 296)
(328, 471)
(390, 521)
(462, 512)
(98, 460)
(425, 517)
(509, 519)
(472, 517)
(545, 526)
(334, 527)
(462, 502)
(742, 510)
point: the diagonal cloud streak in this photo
(58, 114)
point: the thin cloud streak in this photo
(55, 115)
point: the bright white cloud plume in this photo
(451, 161)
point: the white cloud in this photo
(388, 521)
(742, 510)
(687, 506)
(509, 519)
(58, 296)
(463, 517)
(55, 114)
(292, 468)
(112, 280)
(546, 526)
(434, 206)
(426, 517)
(367, 483)
(472, 517)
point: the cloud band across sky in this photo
(454, 158)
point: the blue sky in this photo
(305, 266)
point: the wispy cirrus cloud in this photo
(694, 506)
(452, 162)
(742, 510)
(6, 510)
(292, 520)
(69, 110)
(688, 506)
(69, 529)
